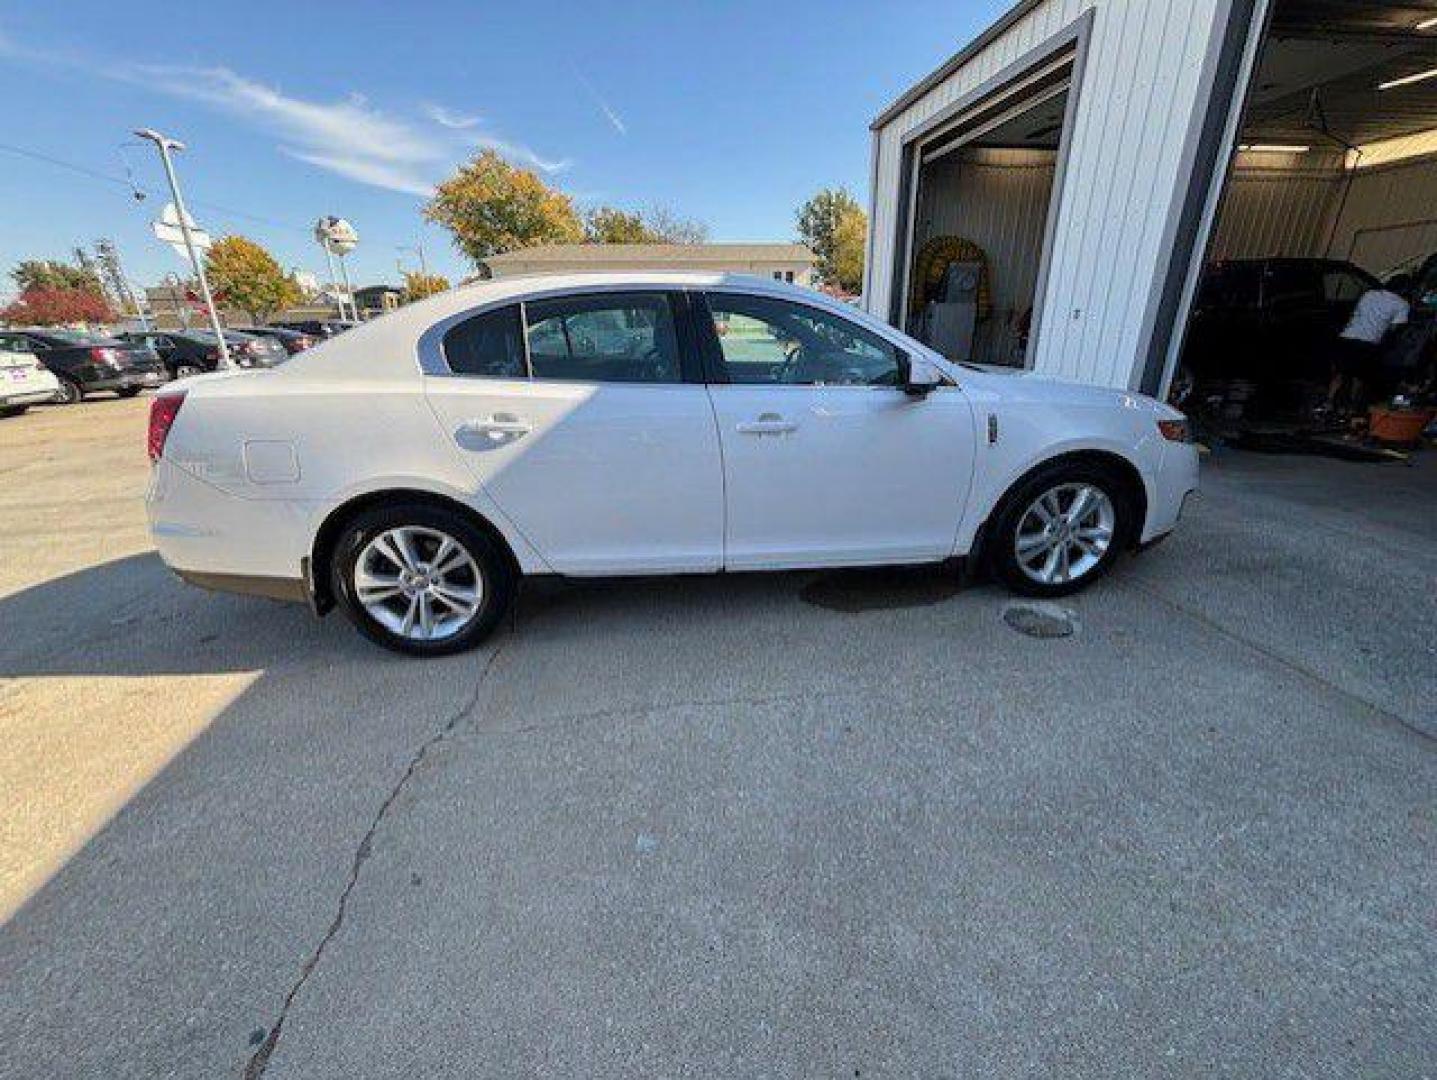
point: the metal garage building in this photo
(1076, 166)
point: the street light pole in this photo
(165, 145)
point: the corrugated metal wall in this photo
(1283, 208)
(1140, 90)
(998, 199)
(1390, 216)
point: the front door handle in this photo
(768, 423)
(497, 427)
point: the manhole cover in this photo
(1040, 619)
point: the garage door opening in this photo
(1332, 194)
(981, 217)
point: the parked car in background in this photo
(599, 425)
(1263, 333)
(24, 381)
(85, 363)
(318, 328)
(194, 352)
(293, 341)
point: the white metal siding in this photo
(1139, 92)
(1389, 216)
(1276, 210)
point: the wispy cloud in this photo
(614, 118)
(349, 137)
(451, 120)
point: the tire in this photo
(368, 546)
(69, 392)
(7, 411)
(128, 392)
(1107, 524)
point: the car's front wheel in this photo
(1062, 529)
(420, 579)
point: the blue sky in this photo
(731, 113)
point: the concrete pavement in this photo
(761, 825)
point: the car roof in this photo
(386, 346)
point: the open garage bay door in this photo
(980, 219)
(1332, 192)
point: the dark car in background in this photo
(1264, 331)
(86, 363)
(193, 352)
(318, 328)
(293, 341)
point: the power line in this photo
(133, 187)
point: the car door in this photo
(827, 460)
(585, 419)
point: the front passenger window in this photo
(766, 340)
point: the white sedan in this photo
(415, 469)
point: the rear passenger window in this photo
(615, 337)
(490, 345)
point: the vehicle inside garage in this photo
(1317, 307)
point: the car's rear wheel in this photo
(1062, 529)
(420, 579)
(12, 410)
(128, 392)
(69, 392)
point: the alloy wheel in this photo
(1064, 533)
(419, 583)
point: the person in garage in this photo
(1359, 347)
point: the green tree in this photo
(52, 274)
(609, 225)
(820, 223)
(249, 278)
(491, 207)
(655, 225)
(849, 240)
(417, 286)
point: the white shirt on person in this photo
(1377, 312)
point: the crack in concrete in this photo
(259, 1061)
(1410, 726)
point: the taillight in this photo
(105, 356)
(300, 344)
(163, 410)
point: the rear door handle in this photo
(767, 424)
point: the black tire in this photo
(69, 392)
(494, 568)
(1001, 540)
(7, 411)
(128, 392)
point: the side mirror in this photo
(920, 376)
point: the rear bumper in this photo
(126, 380)
(32, 396)
(218, 540)
(293, 590)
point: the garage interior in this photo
(981, 210)
(1332, 190)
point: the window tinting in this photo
(489, 345)
(615, 337)
(764, 340)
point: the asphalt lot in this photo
(790, 825)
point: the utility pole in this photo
(165, 145)
(109, 259)
(418, 249)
